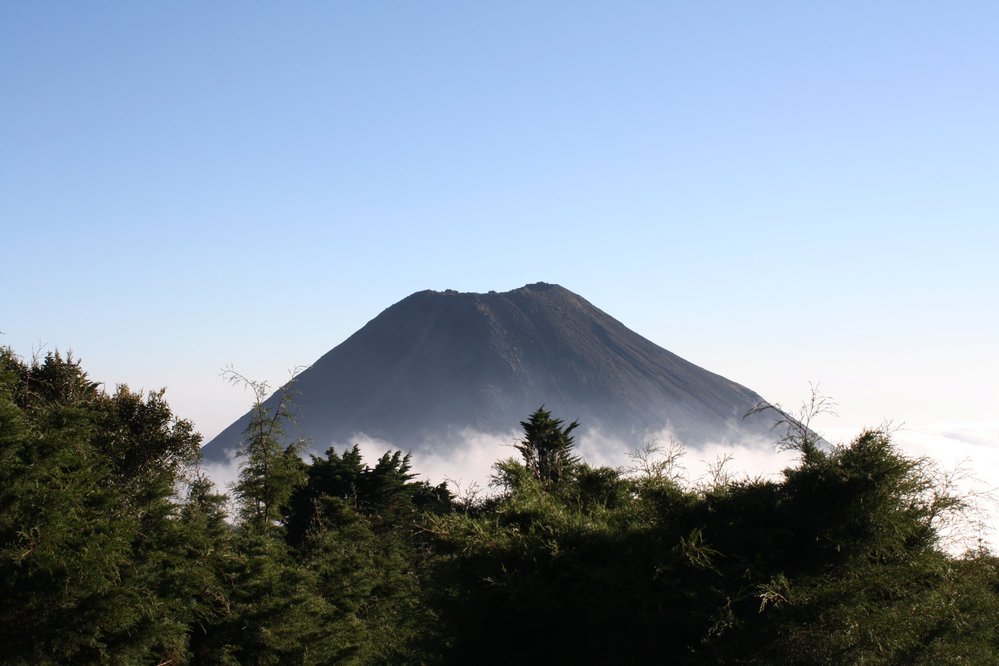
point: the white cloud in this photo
(968, 452)
(466, 462)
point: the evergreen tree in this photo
(837, 562)
(89, 519)
(335, 561)
(547, 447)
(358, 529)
(269, 471)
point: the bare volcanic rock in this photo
(437, 364)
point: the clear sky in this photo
(781, 192)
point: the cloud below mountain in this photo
(966, 453)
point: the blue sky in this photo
(781, 192)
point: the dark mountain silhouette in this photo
(438, 363)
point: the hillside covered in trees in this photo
(114, 548)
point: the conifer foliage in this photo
(115, 548)
(547, 447)
(839, 561)
(95, 551)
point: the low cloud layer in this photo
(968, 454)
(964, 454)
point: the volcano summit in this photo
(438, 364)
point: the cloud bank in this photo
(964, 455)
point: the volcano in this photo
(437, 365)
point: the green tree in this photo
(358, 529)
(547, 447)
(274, 613)
(269, 471)
(836, 562)
(89, 519)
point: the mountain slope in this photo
(437, 363)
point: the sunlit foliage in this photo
(114, 548)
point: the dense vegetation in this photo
(115, 549)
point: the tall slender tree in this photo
(270, 472)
